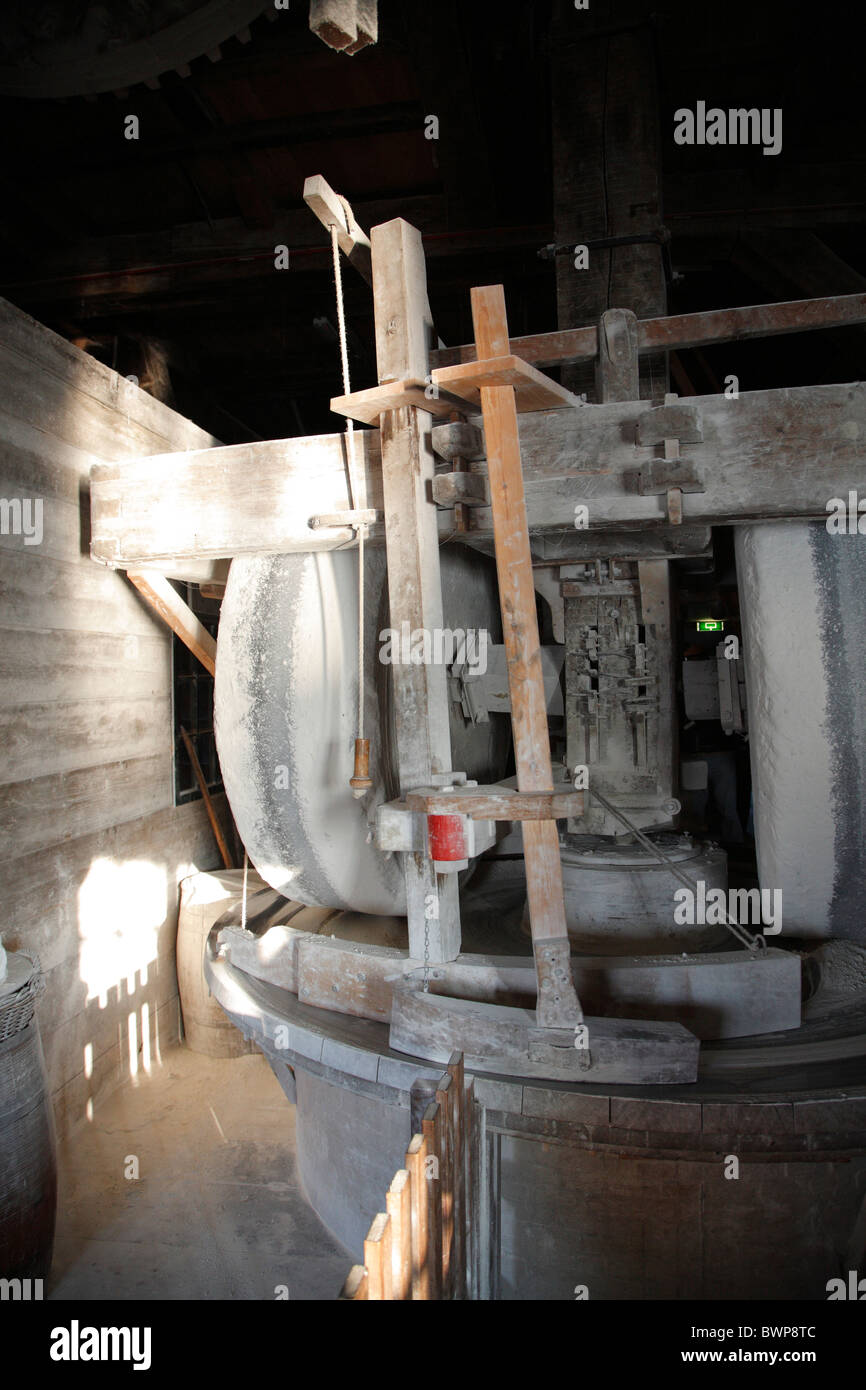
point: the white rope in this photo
(353, 489)
(244, 898)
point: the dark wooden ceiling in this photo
(169, 240)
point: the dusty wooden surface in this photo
(532, 389)
(93, 845)
(497, 803)
(505, 1040)
(557, 1001)
(421, 700)
(767, 455)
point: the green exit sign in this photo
(710, 625)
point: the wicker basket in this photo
(18, 994)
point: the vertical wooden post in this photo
(416, 1164)
(378, 1259)
(558, 1005)
(607, 178)
(445, 1097)
(474, 1194)
(399, 1203)
(461, 1159)
(403, 333)
(432, 1129)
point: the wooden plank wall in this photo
(91, 844)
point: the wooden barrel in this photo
(204, 898)
(28, 1158)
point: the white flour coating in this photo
(309, 841)
(791, 755)
(286, 695)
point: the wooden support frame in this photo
(168, 604)
(334, 211)
(558, 1004)
(729, 995)
(421, 702)
(766, 456)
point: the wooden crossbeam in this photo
(679, 331)
(367, 406)
(558, 1004)
(770, 455)
(497, 803)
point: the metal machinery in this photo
(623, 1058)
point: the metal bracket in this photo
(355, 519)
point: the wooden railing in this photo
(426, 1244)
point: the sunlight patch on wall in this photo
(121, 908)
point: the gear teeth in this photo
(214, 54)
(243, 35)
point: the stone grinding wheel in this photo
(804, 628)
(285, 717)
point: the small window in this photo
(193, 690)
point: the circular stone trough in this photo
(746, 1184)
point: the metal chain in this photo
(426, 981)
(754, 943)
